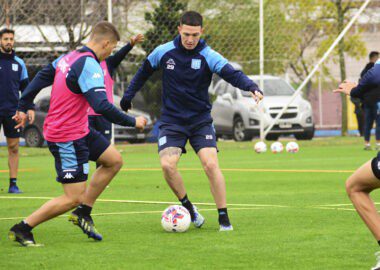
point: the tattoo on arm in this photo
(170, 151)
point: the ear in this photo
(202, 30)
(179, 29)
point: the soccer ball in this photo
(276, 147)
(175, 218)
(292, 147)
(260, 147)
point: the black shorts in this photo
(71, 158)
(9, 127)
(101, 124)
(375, 164)
(200, 136)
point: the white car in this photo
(236, 114)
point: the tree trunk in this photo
(342, 65)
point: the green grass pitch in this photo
(289, 211)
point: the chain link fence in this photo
(296, 35)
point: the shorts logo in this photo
(86, 168)
(209, 137)
(106, 132)
(14, 67)
(96, 76)
(162, 141)
(68, 176)
(196, 63)
(170, 64)
(378, 165)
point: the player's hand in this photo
(20, 118)
(137, 39)
(31, 116)
(140, 122)
(125, 104)
(345, 87)
(257, 96)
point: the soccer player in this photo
(187, 64)
(13, 78)
(367, 178)
(78, 83)
(97, 121)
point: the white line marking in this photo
(243, 170)
(137, 212)
(146, 202)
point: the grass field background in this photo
(287, 219)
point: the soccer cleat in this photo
(87, 225)
(25, 238)
(367, 147)
(199, 220)
(224, 228)
(14, 189)
(377, 266)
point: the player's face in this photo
(7, 42)
(190, 35)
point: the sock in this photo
(189, 206)
(223, 217)
(83, 210)
(12, 182)
(378, 242)
(25, 226)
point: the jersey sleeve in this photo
(91, 76)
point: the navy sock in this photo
(188, 205)
(378, 242)
(223, 217)
(83, 210)
(25, 226)
(12, 181)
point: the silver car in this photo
(236, 114)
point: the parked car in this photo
(237, 115)
(33, 132)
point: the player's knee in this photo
(210, 166)
(168, 167)
(352, 187)
(13, 149)
(74, 201)
(117, 162)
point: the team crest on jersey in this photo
(196, 63)
(63, 65)
(170, 64)
(14, 67)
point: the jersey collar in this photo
(7, 55)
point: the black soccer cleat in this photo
(25, 238)
(86, 224)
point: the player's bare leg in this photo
(169, 158)
(13, 160)
(209, 159)
(110, 164)
(358, 186)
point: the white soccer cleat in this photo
(377, 266)
(199, 220)
(223, 228)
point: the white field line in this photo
(242, 170)
(332, 208)
(145, 202)
(138, 212)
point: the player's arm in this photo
(114, 60)
(24, 79)
(370, 79)
(149, 66)
(91, 83)
(219, 65)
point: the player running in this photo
(367, 178)
(187, 65)
(78, 83)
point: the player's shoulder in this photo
(207, 51)
(163, 48)
(19, 60)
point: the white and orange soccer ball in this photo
(175, 218)
(276, 147)
(260, 147)
(292, 147)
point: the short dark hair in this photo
(373, 54)
(6, 31)
(105, 28)
(191, 18)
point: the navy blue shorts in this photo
(9, 127)
(375, 165)
(200, 136)
(71, 158)
(101, 124)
